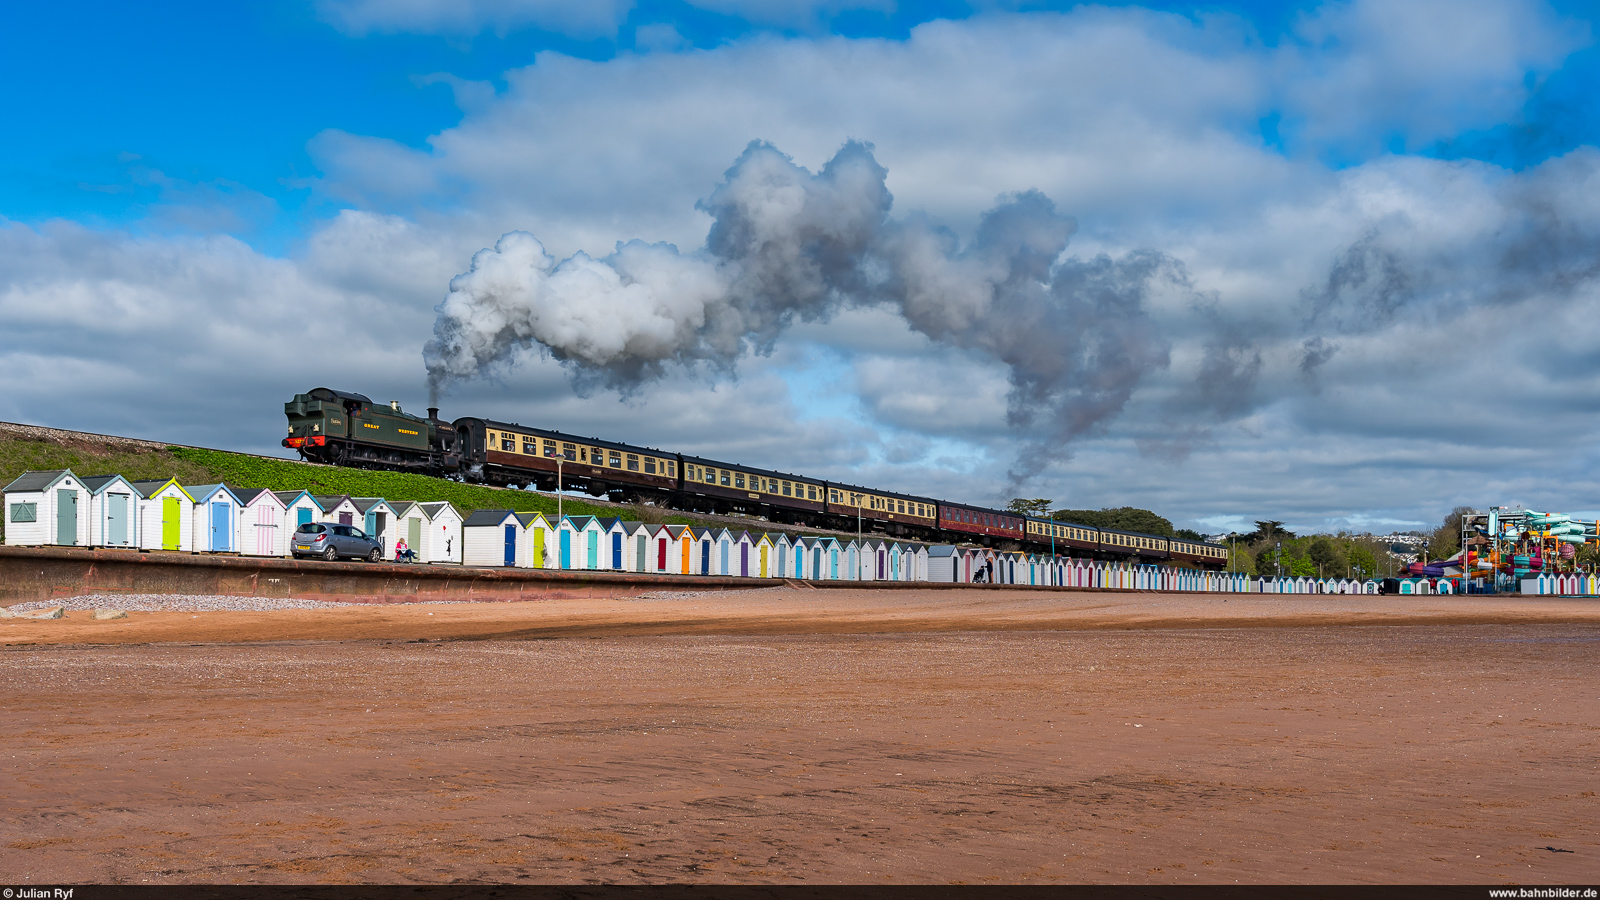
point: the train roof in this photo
(766, 473)
(983, 509)
(338, 395)
(882, 493)
(1159, 537)
(563, 436)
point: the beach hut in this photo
(741, 561)
(49, 508)
(636, 548)
(782, 556)
(441, 542)
(299, 508)
(338, 508)
(703, 557)
(113, 511)
(409, 524)
(828, 568)
(492, 537)
(666, 555)
(943, 563)
(216, 518)
(614, 554)
(262, 521)
(377, 516)
(538, 542)
(164, 519)
(762, 552)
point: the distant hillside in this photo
(1125, 518)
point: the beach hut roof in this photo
(38, 481)
(489, 517)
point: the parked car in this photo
(331, 541)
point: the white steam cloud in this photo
(787, 244)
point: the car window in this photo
(356, 532)
(342, 530)
(311, 528)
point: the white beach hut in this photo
(113, 511)
(263, 523)
(49, 508)
(492, 538)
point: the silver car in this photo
(331, 541)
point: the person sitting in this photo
(402, 553)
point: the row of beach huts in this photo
(59, 508)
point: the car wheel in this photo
(375, 556)
(330, 554)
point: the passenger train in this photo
(347, 429)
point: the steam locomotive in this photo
(346, 429)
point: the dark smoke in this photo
(787, 245)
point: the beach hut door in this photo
(616, 550)
(744, 559)
(117, 519)
(169, 523)
(264, 530)
(594, 550)
(67, 517)
(302, 516)
(414, 534)
(661, 556)
(538, 548)
(511, 545)
(639, 553)
(219, 527)
(566, 549)
(763, 562)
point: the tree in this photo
(1039, 508)
(1189, 535)
(1362, 563)
(1268, 531)
(1444, 541)
(1125, 518)
(1325, 555)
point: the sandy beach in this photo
(791, 736)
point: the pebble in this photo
(174, 603)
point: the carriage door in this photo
(264, 530)
(511, 545)
(616, 550)
(117, 519)
(67, 517)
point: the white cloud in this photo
(588, 19)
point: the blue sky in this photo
(1410, 184)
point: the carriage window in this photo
(786, 488)
(633, 462)
(711, 476)
(738, 479)
(550, 448)
(530, 446)
(570, 451)
(508, 443)
(811, 492)
(671, 467)
(616, 460)
(724, 477)
(833, 496)
(649, 466)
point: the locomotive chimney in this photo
(433, 412)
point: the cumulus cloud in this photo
(590, 19)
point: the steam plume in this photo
(786, 244)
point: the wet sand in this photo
(810, 736)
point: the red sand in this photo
(811, 736)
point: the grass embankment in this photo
(136, 460)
